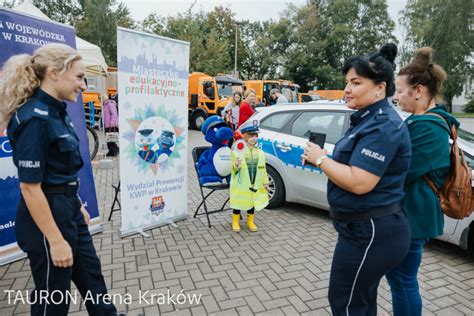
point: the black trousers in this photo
(365, 251)
(236, 212)
(86, 271)
(112, 146)
(113, 149)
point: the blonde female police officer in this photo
(366, 177)
(51, 224)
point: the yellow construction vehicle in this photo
(209, 95)
(262, 89)
(329, 94)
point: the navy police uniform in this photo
(46, 150)
(374, 234)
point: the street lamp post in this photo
(236, 74)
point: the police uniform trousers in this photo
(365, 251)
(86, 270)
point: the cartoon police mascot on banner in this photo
(145, 144)
(165, 142)
(214, 165)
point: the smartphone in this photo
(317, 138)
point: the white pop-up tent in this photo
(91, 54)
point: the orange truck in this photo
(329, 94)
(209, 95)
(92, 99)
(112, 83)
(92, 107)
(262, 89)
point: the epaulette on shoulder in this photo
(40, 110)
(33, 109)
(381, 116)
(390, 116)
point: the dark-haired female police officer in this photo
(366, 176)
(51, 225)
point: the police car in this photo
(284, 131)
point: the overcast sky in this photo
(253, 10)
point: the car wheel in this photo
(277, 188)
(198, 120)
(470, 238)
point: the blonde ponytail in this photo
(23, 74)
(18, 82)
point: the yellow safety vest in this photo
(241, 197)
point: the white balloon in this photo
(223, 161)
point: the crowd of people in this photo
(380, 203)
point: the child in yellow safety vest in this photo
(249, 179)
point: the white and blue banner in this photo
(19, 34)
(153, 90)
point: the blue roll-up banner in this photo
(19, 34)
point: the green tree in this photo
(265, 45)
(212, 37)
(63, 11)
(99, 22)
(469, 107)
(214, 57)
(447, 26)
(10, 3)
(187, 27)
(94, 20)
(221, 24)
(374, 27)
(154, 23)
(327, 32)
(123, 17)
(190, 27)
(305, 55)
(208, 35)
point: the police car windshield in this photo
(467, 140)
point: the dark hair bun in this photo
(377, 67)
(389, 52)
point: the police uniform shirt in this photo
(377, 142)
(44, 142)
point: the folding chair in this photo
(116, 199)
(197, 152)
